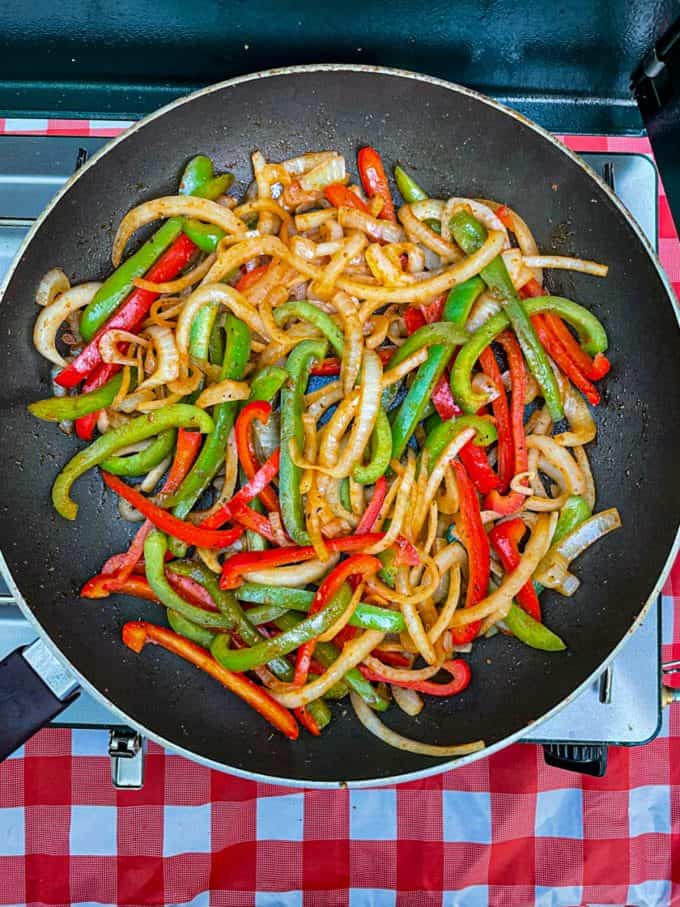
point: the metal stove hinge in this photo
(126, 750)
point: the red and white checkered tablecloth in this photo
(506, 831)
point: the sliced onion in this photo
(569, 264)
(482, 212)
(412, 217)
(384, 270)
(331, 170)
(584, 465)
(310, 220)
(167, 357)
(173, 206)
(410, 675)
(294, 575)
(373, 227)
(353, 652)
(226, 391)
(436, 475)
(173, 287)
(446, 614)
(53, 284)
(581, 423)
(303, 163)
(153, 476)
(108, 346)
(402, 489)
(372, 723)
(353, 245)
(484, 308)
(576, 542)
(408, 700)
(205, 295)
(55, 313)
(424, 290)
(500, 600)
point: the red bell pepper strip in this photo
(479, 556)
(170, 524)
(396, 659)
(131, 313)
(249, 278)
(518, 381)
(370, 515)
(331, 366)
(136, 634)
(443, 401)
(458, 669)
(505, 538)
(256, 522)
(416, 316)
(374, 180)
(85, 425)
(501, 411)
(245, 495)
(186, 451)
(558, 352)
(260, 410)
(102, 585)
(341, 197)
(413, 319)
(407, 555)
(359, 564)
(476, 463)
(243, 562)
(583, 367)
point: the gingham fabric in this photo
(506, 831)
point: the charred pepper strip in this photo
(138, 464)
(137, 634)
(56, 409)
(470, 236)
(155, 548)
(298, 365)
(175, 415)
(591, 333)
(326, 653)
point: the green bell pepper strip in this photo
(205, 236)
(196, 173)
(591, 333)
(575, 511)
(388, 574)
(215, 187)
(216, 345)
(439, 332)
(308, 628)
(202, 636)
(326, 653)
(119, 284)
(441, 435)
(201, 331)
(344, 494)
(298, 366)
(155, 547)
(434, 224)
(532, 632)
(233, 612)
(408, 188)
(266, 384)
(411, 411)
(138, 464)
(56, 409)
(307, 311)
(282, 598)
(470, 236)
(380, 452)
(174, 415)
(460, 300)
(209, 460)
